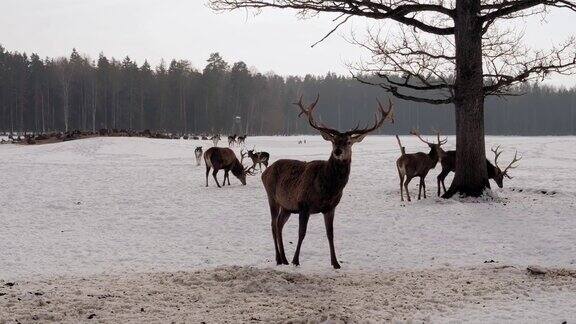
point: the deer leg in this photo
(274, 215)
(406, 187)
(207, 172)
(420, 188)
(401, 188)
(226, 176)
(423, 180)
(329, 223)
(215, 179)
(302, 226)
(282, 218)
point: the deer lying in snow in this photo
(448, 162)
(198, 154)
(304, 188)
(417, 164)
(223, 158)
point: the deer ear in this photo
(357, 138)
(326, 136)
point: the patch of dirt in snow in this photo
(248, 294)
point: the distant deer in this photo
(258, 158)
(448, 163)
(304, 188)
(215, 139)
(417, 165)
(198, 154)
(223, 158)
(231, 140)
(241, 139)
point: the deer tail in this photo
(402, 149)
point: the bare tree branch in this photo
(402, 11)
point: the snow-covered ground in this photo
(121, 216)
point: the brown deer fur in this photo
(223, 158)
(304, 188)
(416, 165)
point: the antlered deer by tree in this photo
(448, 162)
(304, 188)
(447, 52)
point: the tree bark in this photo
(471, 175)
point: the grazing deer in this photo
(417, 164)
(258, 158)
(215, 139)
(223, 158)
(241, 139)
(304, 188)
(448, 163)
(231, 140)
(198, 154)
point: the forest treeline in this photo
(79, 93)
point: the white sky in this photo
(186, 29)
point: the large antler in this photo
(384, 114)
(242, 156)
(416, 132)
(496, 155)
(511, 166)
(308, 112)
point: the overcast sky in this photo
(186, 29)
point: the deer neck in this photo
(433, 155)
(491, 170)
(335, 174)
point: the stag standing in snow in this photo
(304, 188)
(417, 164)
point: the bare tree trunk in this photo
(471, 175)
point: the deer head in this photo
(342, 142)
(432, 145)
(499, 173)
(239, 171)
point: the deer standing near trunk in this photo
(304, 188)
(448, 163)
(417, 165)
(223, 158)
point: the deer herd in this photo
(305, 188)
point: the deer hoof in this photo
(295, 263)
(336, 265)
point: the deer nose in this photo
(337, 152)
